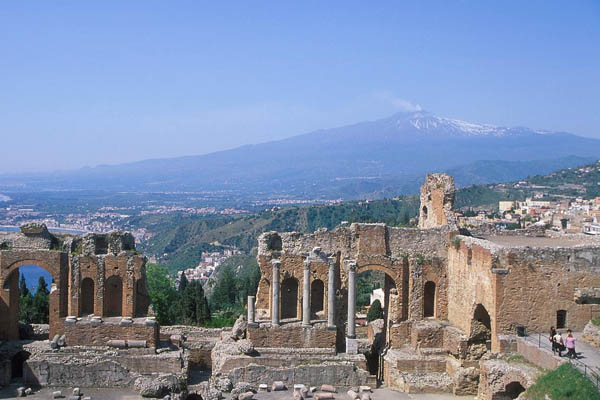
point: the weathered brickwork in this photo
(449, 297)
(292, 336)
(87, 333)
(94, 274)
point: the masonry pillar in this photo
(251, 312)
(275, 293)
(351, 300)
(306, 294)
(331, 294)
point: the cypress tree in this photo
(40, 302)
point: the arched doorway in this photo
(317, 295)
(513, 390)
(87, 296)
(32, 293)
(375, 291)
(113, 297)
(289, 298)
(429, 299)
(16, 364)
(481, 327)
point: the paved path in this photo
(588, 356)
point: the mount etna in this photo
(371, 159)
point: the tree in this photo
(195, 307)
(375, 311)
(165, 299)
(183, 282)
(41, 303)
(25, 302)
(224, 294)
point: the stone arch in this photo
(88, 296)
(289, 298)
(481, 327)
(317, 296)
(514, 389)
(113, 296)
(53, 262)
(17, 363)
(429, 299)
(393, 280)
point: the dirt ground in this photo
(123, 394)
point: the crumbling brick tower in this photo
(437, 201)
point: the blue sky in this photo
(87, 83)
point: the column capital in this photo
(351, 265)
(331, 262)
(306, 264)
(276, 263)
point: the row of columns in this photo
(275, 294)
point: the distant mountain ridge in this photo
(371, 159)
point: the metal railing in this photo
(592, 373)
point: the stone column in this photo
(306, 294)
(331, 294)
(251, 310)
(351, 299)
(275, 293)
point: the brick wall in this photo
(83, 333)
(293, 336)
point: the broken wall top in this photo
(35, 236)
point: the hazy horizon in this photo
(110, 83)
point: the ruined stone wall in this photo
(70, 259)
(292, 336)
(471, 281)
(539, 283)
(85, 332)
(372, 246)
(437, 201)
(522, 286)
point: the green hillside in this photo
(180, 239)
(183, 238)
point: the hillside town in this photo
(207, 265)
(567, 215)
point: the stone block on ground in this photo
(328, 388)
(365, 396)
(246, 396)
(241, 388)
(278, 385)
(324, 396)
(263, 387)
(363, 389)
(57, 395)
(353, 395)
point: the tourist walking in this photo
(560, 346)
(552, 341)
(570, 345)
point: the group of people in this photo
(559, 344)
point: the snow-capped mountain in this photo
(390, 156)
(429, 124)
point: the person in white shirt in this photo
(560, 345)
